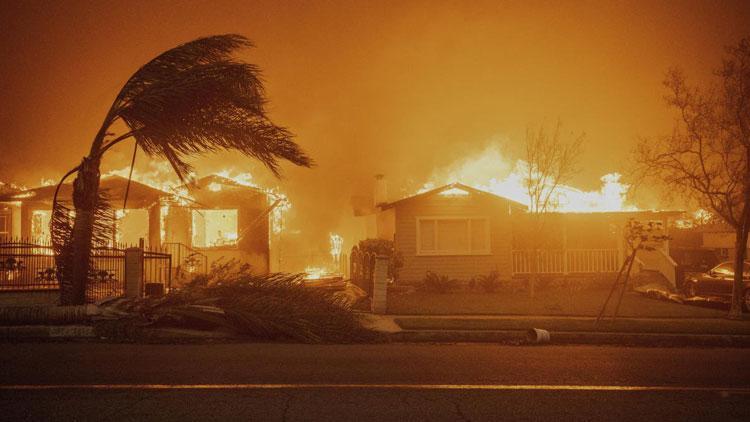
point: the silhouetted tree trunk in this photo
(85, 196)
(740, 252)
(551, 163)
(707, 156)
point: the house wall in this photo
(386, 224)
(456, 266)
(252, 225)
(30, 298)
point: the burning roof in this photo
(455, 189)
(139, 195)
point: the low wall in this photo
(26, 298)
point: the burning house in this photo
(223, 220)
(182, 231)
(462, 232)
(26, 214)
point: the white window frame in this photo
(487, 251)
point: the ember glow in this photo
(159, 175)
(492, 171)
(214, 228)
(315, 273)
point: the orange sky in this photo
(369, 87)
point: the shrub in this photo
(434, 283)
(489, 283)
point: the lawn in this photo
(550, 302)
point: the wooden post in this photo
(380, 285)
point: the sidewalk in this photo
(564, 330)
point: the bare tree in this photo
(707, 156)
(551, 162)
(192, 99)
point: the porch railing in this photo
(187, 262)
(576, 261)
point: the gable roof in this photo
(459, 186)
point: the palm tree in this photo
(192, 99)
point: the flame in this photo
(159, 175)
(337, 243)
(702, 216)
(492, 172)
(244, 179)
(315, 273)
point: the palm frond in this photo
(196, 99)
(263, 306)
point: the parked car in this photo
(694, 260)
(718, 282)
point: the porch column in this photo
(133, 284)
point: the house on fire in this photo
(219, 219)
(462, 232)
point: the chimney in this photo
(380, 194)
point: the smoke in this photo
(411, 90)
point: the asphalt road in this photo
(67, 381)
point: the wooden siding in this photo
(461, 267)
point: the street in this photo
(90, 381)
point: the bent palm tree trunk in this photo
(192, 99)
(85, 196)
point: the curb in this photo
(46, 331)
(571, 337)
(514, 337)
(83, 332)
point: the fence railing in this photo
(29, 266)
(362, 269)
(576, 261)
(187, 261)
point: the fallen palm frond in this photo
(267, 307)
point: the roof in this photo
(139, 194)
(455, 185)
(206, 182)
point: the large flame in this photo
(491, 171)
(160, 175)
(337, 243)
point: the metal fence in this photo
(187, 262)
(362, 269)
(27, 266)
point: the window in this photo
(5, 226)
(727, 269)
(453, 236)
(212, 228)
(40, 220)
